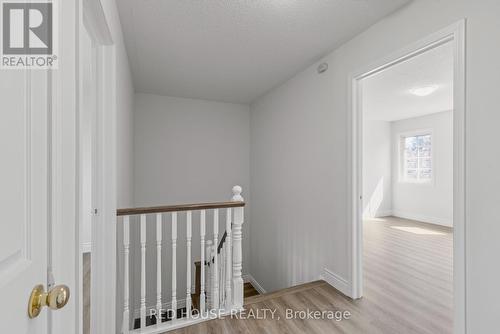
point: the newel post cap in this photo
(237, 194)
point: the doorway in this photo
(401, 142)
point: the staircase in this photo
(248, 288)
(218, 284)
(248, 292)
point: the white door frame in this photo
(63, 232)
(92, 18)
(454, 34)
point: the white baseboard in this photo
(423, 218)
(379, 214)
(249, 279)
(86, 247)
(336, 281)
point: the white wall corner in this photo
(247, 278)
(336, 281)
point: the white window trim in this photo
(400, 159)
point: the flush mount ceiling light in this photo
(424, 91)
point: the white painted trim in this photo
(336, 281)
(94, 20)
(103, 278)
(64, 220)
(86, 247)
(104, 227)
(379, 214)
(454, 33)
(423, 218)
(460, 150)
(247, 278)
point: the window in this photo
(416, 158)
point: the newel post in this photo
(237, 250)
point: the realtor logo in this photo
(28, 34)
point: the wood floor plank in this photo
(281, 292)
(86, 293)
(408, 276)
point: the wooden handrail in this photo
(177, 208)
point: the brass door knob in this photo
(55, 299)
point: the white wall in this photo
(299, 156)
(188, 151)
(377, 170)
(431, 203)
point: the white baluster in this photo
(227, 255)
(209, 276)
(174, 265)
(143, 271)
(237, 250)
(216, 262)
(222, 279)
(188, 256)
(158, 268)
(126, 252)
(202, 266)
(213, 275)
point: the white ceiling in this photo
(235, 50)
(387, 97)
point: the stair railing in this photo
(220, 283)
(223, 264)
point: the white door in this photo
(37, 195)
(24, 138)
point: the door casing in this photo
(455, 34)
(92, 20)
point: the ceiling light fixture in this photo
(424, 91)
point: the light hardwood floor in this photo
(86, 293)
(408, 289)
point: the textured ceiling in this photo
(387, 95)
(235, 50)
